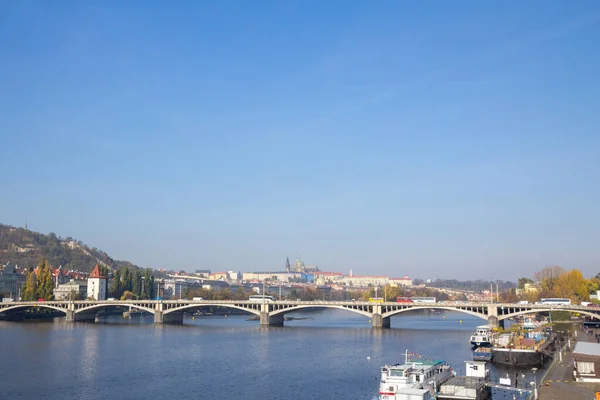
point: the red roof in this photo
(96, 273)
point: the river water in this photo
(333, 355)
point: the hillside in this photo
(25, 248)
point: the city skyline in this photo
(390, 139)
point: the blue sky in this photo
(435, 139)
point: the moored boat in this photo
(524, 348)
(482, 354)
(417, 376)
(482, 336)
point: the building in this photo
(66, 291)
(299, 266)
(586, 360)
(404, 281)
(274, 276)
(97, 285)
(202, 273)
(174, 289)
(11, 283)
(60, 276)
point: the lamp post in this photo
(535, 392)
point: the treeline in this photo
(554, 282)
(128, 283)
(38, 283)
(474, 285)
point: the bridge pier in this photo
(72, 316)
(171, 318)
(377, 321)
(270, 320)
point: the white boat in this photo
(482, 336)
(416, 378)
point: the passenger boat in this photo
(482, 336)
(482, 354)
(416, 378)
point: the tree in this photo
(126, 279)
(547, 279)
(127, 295)
(116, 289)
(572, 285)
(136, 283)
(44, 284)
(30, 287)
(149, 291)
(523, 281)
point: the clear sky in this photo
(436, 139)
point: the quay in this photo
(272, 313)
(558, 383)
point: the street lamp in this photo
(535, 392)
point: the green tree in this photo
(116, 289)
(149, 291)
(522, 282)
(127, 279)
(136, 283)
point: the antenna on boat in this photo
(406, 356)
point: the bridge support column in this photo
(80, 317)
(377, 321)
(172, 318)
(492, 315)
(270, 320)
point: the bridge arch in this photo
(430, 306)
(28, 306)
(113, 304)
(539, 310)
(299, 307)
(192, 306)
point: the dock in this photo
(558, 384)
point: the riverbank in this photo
(558, 384)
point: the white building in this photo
(97, 285)
(65, 291)
(405, 281)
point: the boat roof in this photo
(485, 327)
(416, 363)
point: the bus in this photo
(262, 298)
(376, 299)
(423, 299)
(403, 299)
(555, 301)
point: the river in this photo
(333, 355)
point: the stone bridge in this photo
(272, 313)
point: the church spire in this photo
(287, 264)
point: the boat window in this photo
(418, 378)
(396, 372)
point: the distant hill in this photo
(25, 248)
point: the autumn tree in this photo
(30, 287)
(127, 295)
(572, 285)
(45, 286)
